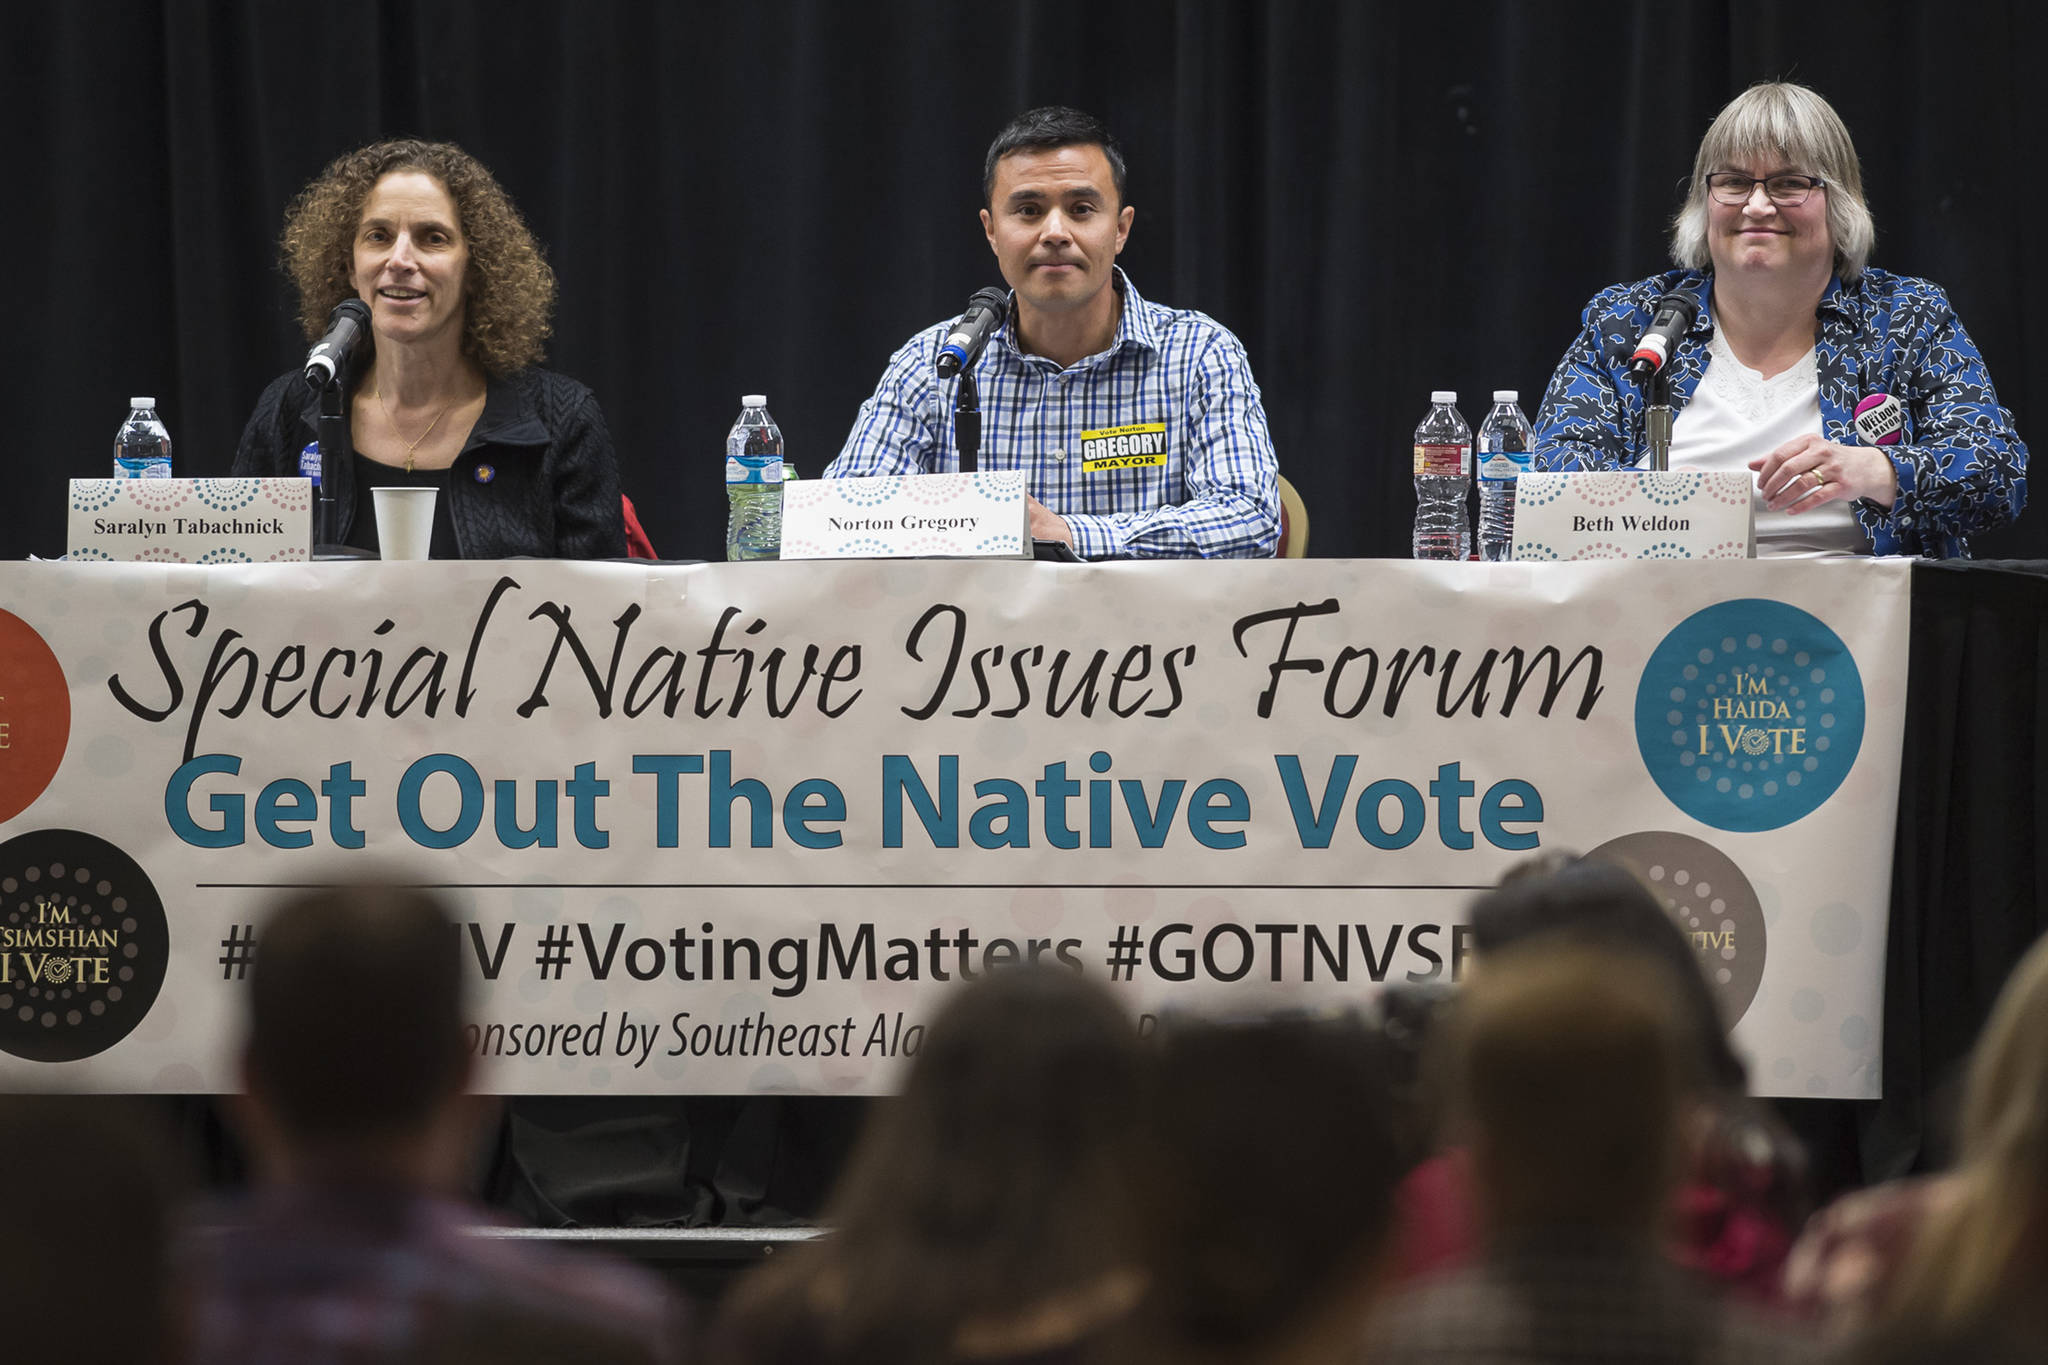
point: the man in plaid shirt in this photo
(1139, 426)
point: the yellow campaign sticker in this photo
(1132, 447)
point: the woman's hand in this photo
(1807, 471)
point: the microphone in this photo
(1671, 319)
(962, 346)
(345, 326)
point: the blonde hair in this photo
(1969, 1260)
(1781, 122)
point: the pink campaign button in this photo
(1880, 420)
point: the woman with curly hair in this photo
(448, 393)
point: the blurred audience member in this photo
(356, 1246)
(1845, 1266)
(84, 1275)
(986, 1214)
(1273, 1155)
(1741, 1195)
(1964, 1255)
(1574, 1069)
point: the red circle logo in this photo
(35, 715)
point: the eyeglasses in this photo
(1786, 191)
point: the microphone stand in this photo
(332, 434)
(967, 422)
(1657, 417)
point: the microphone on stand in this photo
(1672, 318)
(329, 356)
(986, 311)
(325, 364)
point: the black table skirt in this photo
(1967, 871)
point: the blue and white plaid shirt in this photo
(1154, 448)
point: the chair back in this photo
(1293, 523)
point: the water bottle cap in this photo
(754, 400)
(1507, 396)
(142, 402)
(1443, 396)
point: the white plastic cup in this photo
(405, 521)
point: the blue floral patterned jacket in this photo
(1961, 467)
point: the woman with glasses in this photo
(1852, 395)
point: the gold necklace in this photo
(389, 420)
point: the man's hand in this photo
(1807, 471)
(1047, 524)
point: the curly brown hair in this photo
(509, 290)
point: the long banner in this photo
(730, 829)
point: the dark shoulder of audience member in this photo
(1274, 1152)
(356, 1012)
(84, 1262)
(985, 1213)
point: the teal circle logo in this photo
(1750, 714)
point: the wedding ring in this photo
(1819, 479)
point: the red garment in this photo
(1725, 1238)
(638, 546)
(1434, 1223)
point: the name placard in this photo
(1634, 514)
(191, 521)
(908, 516)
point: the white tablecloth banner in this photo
(733, 829)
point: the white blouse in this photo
(1736, 415)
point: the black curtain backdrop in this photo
(1380, 199)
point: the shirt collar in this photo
(1133, 328)
(507, 419)
(1838, 298)
(1136, 325)
(1699, 284)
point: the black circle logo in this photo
(83, 945)
(1712, 901)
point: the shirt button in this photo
(1059, 454)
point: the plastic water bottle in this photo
(142, 447)
(1505, 440)
(1443, 481)
(753, 483)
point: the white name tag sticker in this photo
(191, 521)
(908, 516)
(1634, 514)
